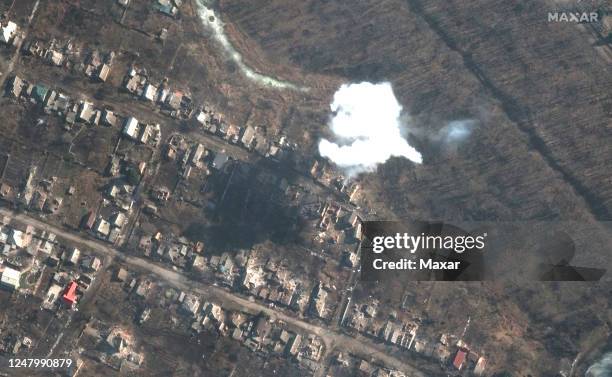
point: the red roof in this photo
(460, 358)
(89, 219)
(70, 294)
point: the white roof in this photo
(104, 71)
(103, 227)
(4, 234)
(57, 57)
(18, 238)
(149, 92)
(145, 135)
(8, 31)
(74, 256)
(131, 127)
(11, 277)
(85, 111)
(46, 247)
(119, 219)
(109, 117)
(202, 117)
(52, 294)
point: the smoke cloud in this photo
(367, 126)
(602, 368)
(457, 131)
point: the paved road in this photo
(332, 339)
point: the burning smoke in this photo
(602, 368)
(367, 125)
(215, 25)
(456, 131)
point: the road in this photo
(331, 338)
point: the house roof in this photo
(118, 219)
(18, 238)
(8, 31)
(74, 255)
(10, 277)
(459, 358)
(248, 136)
(40, 92)
(122, 274)
(103, 227)
(149, 92)
(109, 117)
(16, 86)
(70, 293)
(85, 111)
(220, 161)
(131, 127)
(104, 71)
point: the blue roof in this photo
(40, 92)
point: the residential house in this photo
(55, 57)
(480, 366)
(70, 294)
(118, 220)
(102, 227)
(10, 278)
(109, 118)
(191, 304)
(220, 160)
(248, 137)
(131, 128)
(174, 100)
(122, 275)
(149, 92)
(103, 72)
(19, 239)
(9, 29)
(15, 86)
(318, 301)
(460, 358)
(293, 346)
(73, 256)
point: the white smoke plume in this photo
(602, 368)
(367, 126)
(456, 131)
(215, 25)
